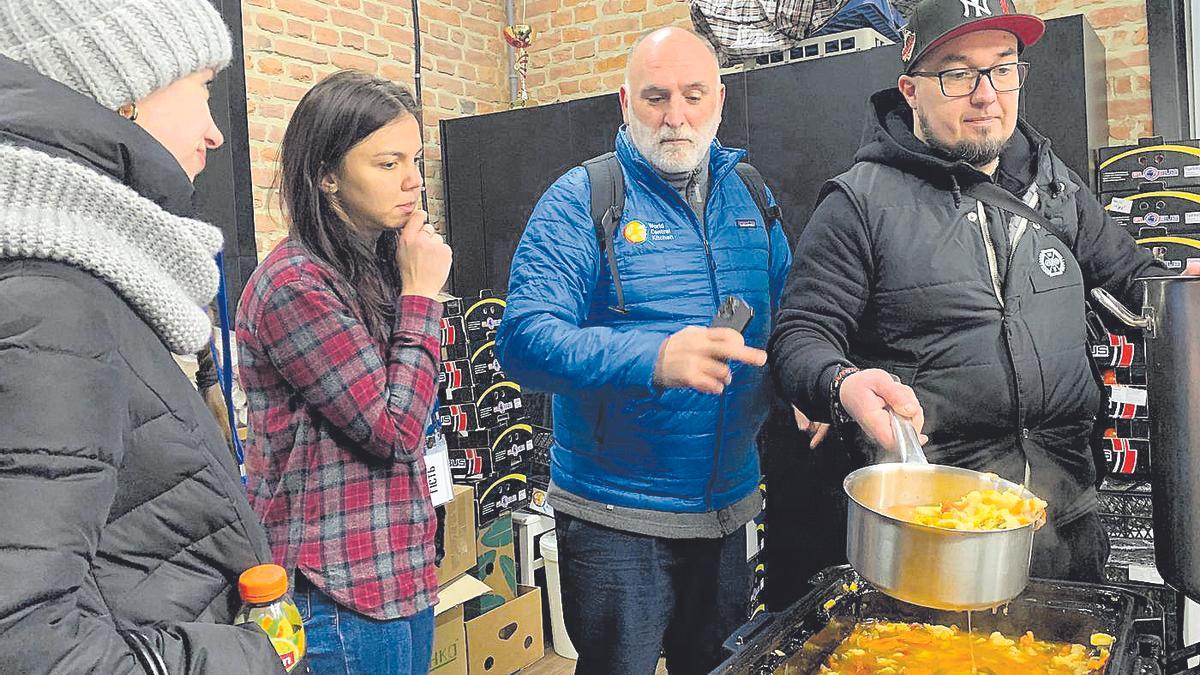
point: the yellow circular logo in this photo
(635, 232)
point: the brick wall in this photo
(580, 51)
(1121, 25)
(292, 44)
(582, 44)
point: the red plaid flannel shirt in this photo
(337, 428)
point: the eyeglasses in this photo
(958, 82)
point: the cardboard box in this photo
(499, 494)
(482, 319)
(449, 629)
(458, 536)
(449, 643)
(1178, 211)
(499, 405)
(1125, 168)
(509, 637)
(485, 367)
(496, 560)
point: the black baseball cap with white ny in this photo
(935, 22)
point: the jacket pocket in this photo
(1043, 283)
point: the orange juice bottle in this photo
(266, 602)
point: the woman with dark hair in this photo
(338, 349)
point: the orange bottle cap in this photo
(263, 583)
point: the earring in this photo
(331, 189)
(129, 111)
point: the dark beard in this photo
(976, 154)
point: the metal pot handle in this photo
(908, 442)
(1144, 321)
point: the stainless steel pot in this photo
(928, 566)
(1170, 318)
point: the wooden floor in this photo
(553, 664)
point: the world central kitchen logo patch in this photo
(637, 232)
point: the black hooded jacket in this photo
(898, 269)
(120, 505)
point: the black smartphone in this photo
(733, 313)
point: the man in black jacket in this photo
(903, 273)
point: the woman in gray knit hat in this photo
(123, 522)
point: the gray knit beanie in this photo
(115, 51)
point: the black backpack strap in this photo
(770, 212)
(608, 202)
(758, 190)
(990, 193)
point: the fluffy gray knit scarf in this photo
(161, 264)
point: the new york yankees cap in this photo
(934, 22)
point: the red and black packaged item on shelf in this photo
(1126, 456)
(453, 307)
(499, 405)
(1124, 168)
(457, 418)
(455, 383)
(475, 438)
(1152, 206)
(1134, 376)
(485, 367)
(468, 465)
(1119, 351)
(483, 316)
(1127, 402)
(501, 493)
(454, 339)
(455, 374)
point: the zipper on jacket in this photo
(702, 230)
(990, 248)
(1004, 319)
(716, 464)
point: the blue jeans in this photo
(344, 642)
(628, 597)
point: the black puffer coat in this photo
(120, 505)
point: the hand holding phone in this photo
(733, 313)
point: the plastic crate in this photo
(1128, 527)
(1126, 504)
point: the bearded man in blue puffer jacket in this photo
(654, 470)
